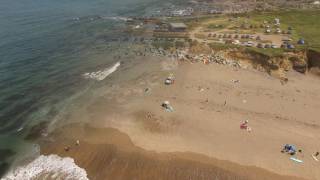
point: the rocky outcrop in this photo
(271, 64)
(278, 65)
(299, 63)
(313, 58)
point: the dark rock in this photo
(313, 59)
(298, 64)
(37, 130)
(5, 153)
(3, 168)
(300, 67)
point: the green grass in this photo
(216, 26)
(220, 46)
(267, 52)
(180, 44)
(165, 44)
(169, 35)
(193, 22)
(305, 24)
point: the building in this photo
(177, 27)
(277, 21)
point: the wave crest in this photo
(117, 18)
(48, 167)
(101, 75)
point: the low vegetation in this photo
(305, 24)
(267, 52)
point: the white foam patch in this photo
(102, 74)
(51, 167)
(117, 18)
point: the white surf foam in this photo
(51, 167)
(20, 129)
(117, 18)
(101, 75)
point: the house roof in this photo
(178, 25)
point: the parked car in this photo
(250, 44)
(267, 46)
(290, 46)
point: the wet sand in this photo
(107, 153)
(201, 138)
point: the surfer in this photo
(315, 156)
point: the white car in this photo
(249, 44)
(236, 42)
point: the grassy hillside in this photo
(305, 24)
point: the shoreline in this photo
(111, 154)
(203, 123)
(130, 133)
(173, 90)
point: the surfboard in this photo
(315, 158)
(296, 160)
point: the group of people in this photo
(291, 149)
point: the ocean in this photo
(52, 54)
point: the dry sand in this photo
(143, 141)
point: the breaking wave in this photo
(117, 18)
(48, 167)
(101, 75)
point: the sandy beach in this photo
(106, 153)
(131, 135)
(170, 89)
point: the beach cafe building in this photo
(177, 27)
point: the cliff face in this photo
(314, 62)
(277, 65)
(299, 61)
(313, 59)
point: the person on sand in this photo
(289, 148)
(244, 125)
(66, 148)
(315, 156)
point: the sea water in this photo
(53, 52)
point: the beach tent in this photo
(290, 148)
(301, 41)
